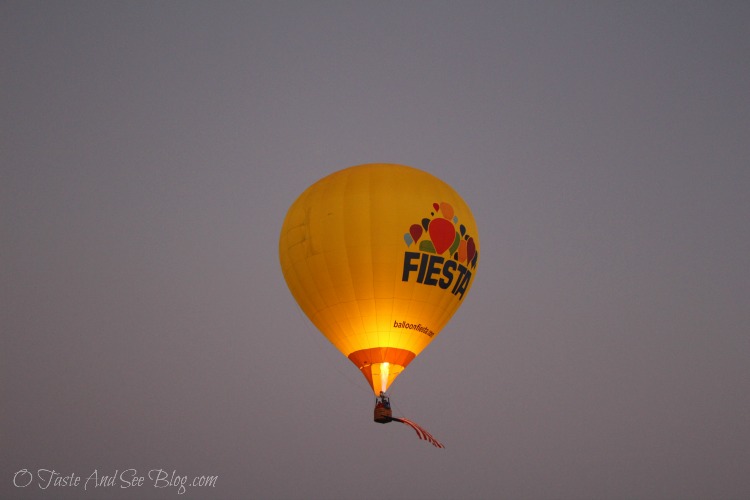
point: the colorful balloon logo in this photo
(443, 236)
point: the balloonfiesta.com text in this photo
(412, 326)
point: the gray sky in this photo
(149, 152)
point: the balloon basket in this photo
(383, 415)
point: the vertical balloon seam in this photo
(346, 237)
(403, 342)
(376, 338)
(294, 270)
(361, 204)
(300, 269)
(289, 267)
(321, 322)
(350, 339)
(330, 253)
(338, 212)
(389, 176)
(414, 307)
(410, 304)
(321, 254)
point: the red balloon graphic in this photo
(471, 249)
(442, 234)
(416, 231)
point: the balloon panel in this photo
(378, 257)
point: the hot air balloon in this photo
(379, 257)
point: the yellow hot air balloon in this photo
(379, 257)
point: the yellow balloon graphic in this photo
(379, 257)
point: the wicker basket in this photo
(383, 415)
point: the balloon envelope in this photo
(379, 257)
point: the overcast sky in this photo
(149, 152)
